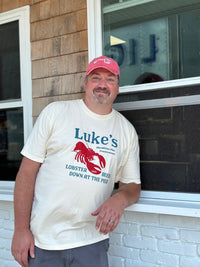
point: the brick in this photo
(134, 263)
(7, 234)
(5, 255)
(177, 247)
(190, 236)
(127, 228)
(139, 217)
(140, 242)
(116, 261)
(5, 244)
(116, 239)
(124, 252)
(159, 232)
(4, 214)
(180, 222)
(159, 258)
(189, 262)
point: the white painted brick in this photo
(177, 247)
(132, 263)
(189, 262)
(159, 232)
(139, 217)
(116, 239)
(124, 252)
(140, 242)
(190, 236)
(4, 214)
(159, 258)
(116, 261)
(7, 234)
(5, 255)
(8, 225)
(180, 222)
(127, 228)
(5, 244)
(9, 264)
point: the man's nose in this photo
(103, 82)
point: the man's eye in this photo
(111, 80)
(95, 78)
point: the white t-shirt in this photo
(82, 154)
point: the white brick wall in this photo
(140, 240)
(6, 233)
(155, 240)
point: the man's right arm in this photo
(23, 241)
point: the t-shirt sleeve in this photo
(129, 172)
(35, 147)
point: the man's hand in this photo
(108, 215)
(110, 212)
(22, 246)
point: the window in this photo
(15, 90)
(156, 44)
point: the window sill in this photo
(167, 207)
(145, 205)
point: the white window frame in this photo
(182, 204)
(23, 16)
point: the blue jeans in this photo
(94, 255)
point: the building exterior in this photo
(44, 51)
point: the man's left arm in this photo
(110, 212)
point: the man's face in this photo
(101, 86)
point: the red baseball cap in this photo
(105, 63)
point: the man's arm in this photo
(110, 212)
(23, 242)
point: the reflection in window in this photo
(156, 38)
(169, 147)
(9, 61)
(11, 142)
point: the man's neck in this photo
(101, 109)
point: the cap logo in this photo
(105, 60)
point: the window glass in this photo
(11, 142)
(169, 147)
(152, 41)
(9, 61)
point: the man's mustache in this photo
(101, 89)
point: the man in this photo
(76, 152)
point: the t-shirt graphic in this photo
(88, 156)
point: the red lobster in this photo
(86, 155)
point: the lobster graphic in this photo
(86, 155)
